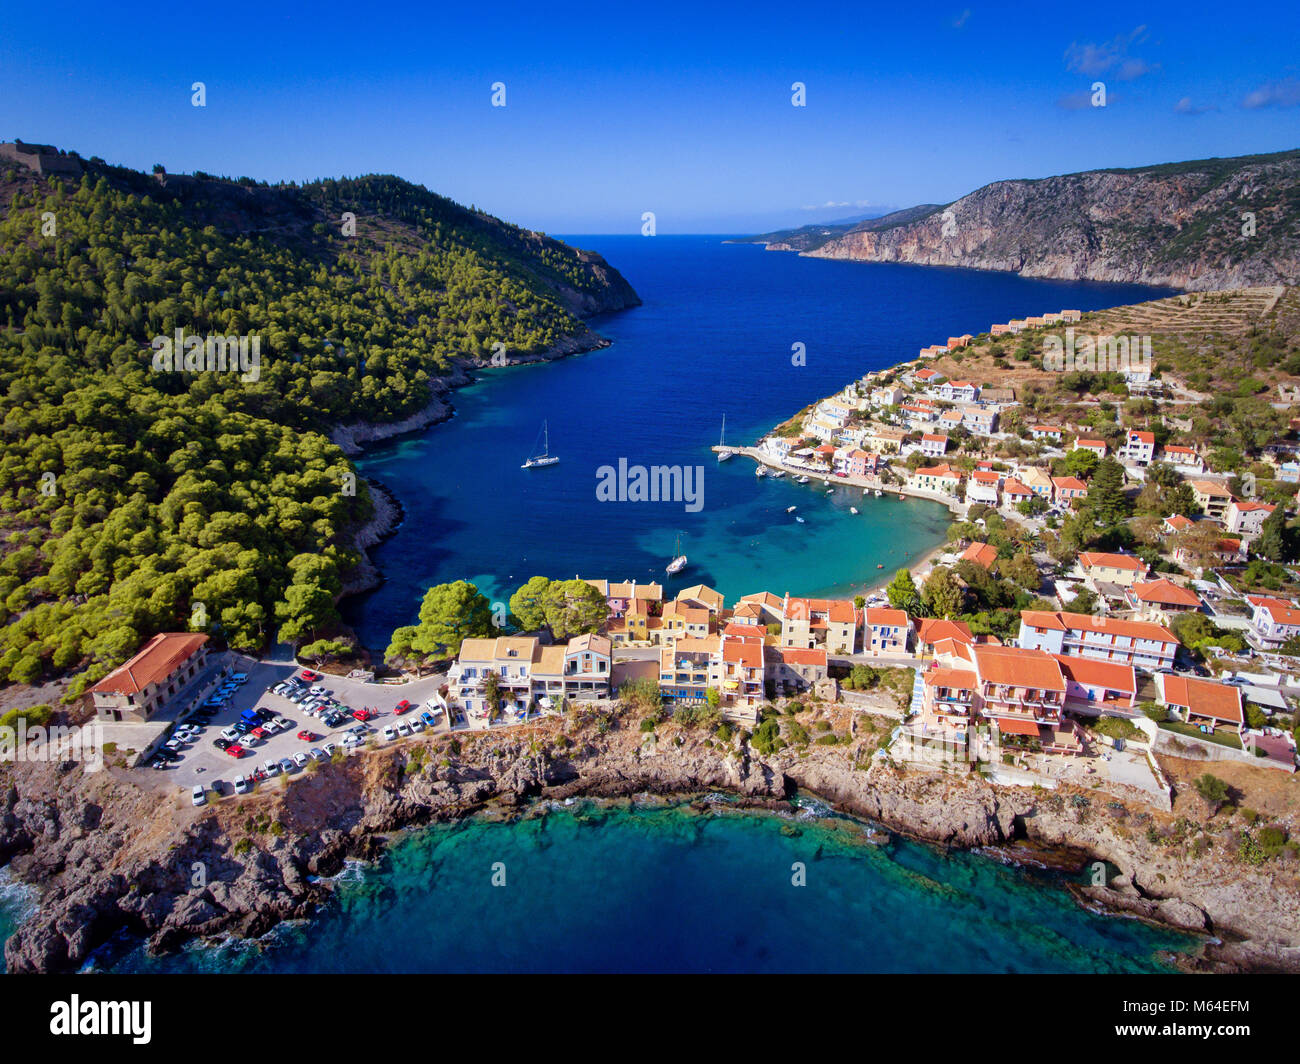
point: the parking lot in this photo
(201, 762)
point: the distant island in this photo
(1204, 225)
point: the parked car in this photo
(319, 754)
(283, 723)
(429, 718)
(403, 728)
(198, 796)
(351, 740)
(286, 766)
(222, 744)
(235, 750)
(402, 706)
(230, 734)
(306, 736)
(389, 734)
(364, 714)
(239, 677)
(416, 724)
(329, 749)
(271, 765)
(242, 786)
(300, 759)
(310, 676)
(158, 763)
(176, 745)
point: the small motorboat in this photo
(853, 509)
(761, 471)
(800, 519)
(791, 509)
(777, 474)
(801, 480)
(880, 566)
(878, 493)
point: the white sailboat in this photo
(545, 458)
(679, 559)
(722, 441)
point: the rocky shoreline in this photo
(114, 855)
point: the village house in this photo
(999, 330)
(1038, 481)
(689, 667)
(1176, 523)
(885, 631)
(1097, 447)
(1184, 459)
(855, 462)
(928, 377)
(156, 673)
(1227, 551)
(1014, 492)
(1139, 447)
(1203, 704)
(889, 395)
(792, 670)
(983, 487)
(1102, 567)
(1160, 600)
(527, 672)
(1022, 693)
(941, 478)
(933, 444)
(1144, 644)
(1097, 687)
(685, 618)
(1245, 517)
(1070, 315)
(743, 674)
(931, 631)
(1212, 497)
(977, 419)
(885, 441)
(620, 596)
(1273, 620)
(771, 608)
(981, 554)
(958, 391)
(1065, 490)
(955, 342)
(829, 623)
(919, 414)
(1045, 432)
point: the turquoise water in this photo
(614, 889)
(714, 337)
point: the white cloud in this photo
(1284, 93)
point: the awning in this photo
(1017, 727)
(731, 685)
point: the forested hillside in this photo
(133, 500)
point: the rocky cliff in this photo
(110, 854)
(1209, 224)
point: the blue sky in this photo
(681, 109)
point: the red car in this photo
(403, 706)
(235, 750)
(306, 736)
(307, 674)
(363, 715)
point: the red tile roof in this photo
(932, 629)
(1205, 698)
(1062, 621)
(1023, 668)
(1112, 561)
(1108, 674)
(1166, 593)
(155, 661)
(883, 615)
(982, 554)
(963, 679)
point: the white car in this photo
(416, 724)
(174, 745)
(300, 759)
(232, 735)
(389, 734)
(318, 754)
(403, 728)
(351, 740)
(198, 796)
(242, 786)
(329, 749)
(272, 766)
(283, 723)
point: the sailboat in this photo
(545, 458)
(722, 441)
(679, 559)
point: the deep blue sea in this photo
(593, 889)
(714, 336)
